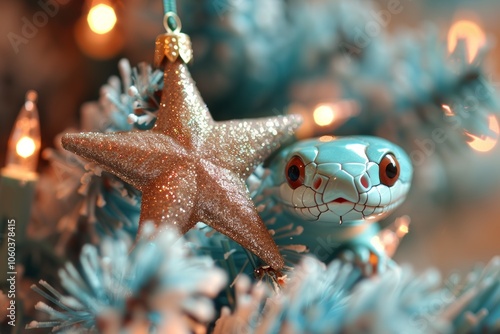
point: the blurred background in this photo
(350, 67)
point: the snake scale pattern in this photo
(331, 190)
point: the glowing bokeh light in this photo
(101, 19)
(447, 110)
(471, 33)
(402, 230)
(25, 147)
(324, 115)
(326, 139)
(488, 143)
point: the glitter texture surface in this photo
(191, 168)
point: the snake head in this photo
(342, 179)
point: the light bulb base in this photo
(17, 193)
(23, 176)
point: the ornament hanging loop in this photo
(168, 22)
(173, 44)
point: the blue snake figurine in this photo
(330, 191)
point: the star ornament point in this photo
(190, 168)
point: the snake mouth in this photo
(363, 205)
(342, 200)
(394, 202)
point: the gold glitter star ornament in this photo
(190, 168)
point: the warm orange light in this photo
(391, 236)
(101, 18)
(377, 243)
(472, 34)
(486, 144)
(324, 118)
(24, 141)
(402, 230)
(324, 115)
(26, 147)
(447, 110)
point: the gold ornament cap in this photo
(173, 44)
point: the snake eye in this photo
(389, 170)
(295, 172)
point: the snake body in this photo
(334, 188)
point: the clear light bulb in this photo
(24, 142)
(471, 33)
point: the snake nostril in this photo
(364, 181)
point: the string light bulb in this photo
(324, 115)
(19, 177)
(24, 142)
(475, 39)
(97, 33)
(485, 143)
(389, 238)
(469, 31)
(323, 118)
(101, 18)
